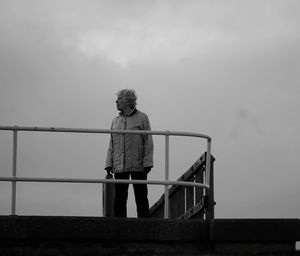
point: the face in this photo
(121, 103)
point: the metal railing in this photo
(166, 183)
(189, 202)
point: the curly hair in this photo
(129, 95)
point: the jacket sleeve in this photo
(109, 156)
(148, 145)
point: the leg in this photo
(121, 195)
(141, 194)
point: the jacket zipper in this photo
(124, 145)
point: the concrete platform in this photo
(55, 235)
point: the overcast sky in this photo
(229, 69)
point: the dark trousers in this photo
(140, 193)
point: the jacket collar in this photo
(129, 114)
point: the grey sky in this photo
(229, 69)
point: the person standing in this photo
(130, 155)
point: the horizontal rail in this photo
(83, 130)
(91, 181)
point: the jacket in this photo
(130, 152)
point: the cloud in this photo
(163, 32)
(145, 41)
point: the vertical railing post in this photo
(14, 171)
(210, 182)
(166, 211)
(208, 157)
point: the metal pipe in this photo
(208, 158)
(82, 130)
(97, 181)
(166, 210)
(14, 172)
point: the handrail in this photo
(84, 130)
(187, 202)
(166, 182)
(73, 180)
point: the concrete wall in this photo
(41, 235)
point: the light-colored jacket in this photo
(130, 152)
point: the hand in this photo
(147, 169)
(109, 171)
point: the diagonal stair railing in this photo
(189, 202)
